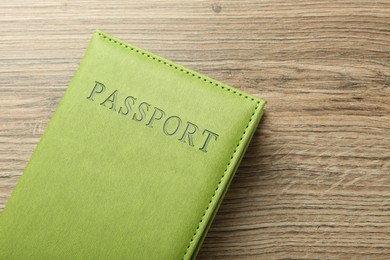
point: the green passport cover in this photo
(134, 163)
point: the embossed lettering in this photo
(189, 133)
(128, 106)
(169, 119)
(155, 116)
(111, 98)
(98, 89)
(208, 139)
(141, 111)
(171, 125)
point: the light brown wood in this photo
(315, 182)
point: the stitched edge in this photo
(220, 181)
(191, 73)
(200, 77)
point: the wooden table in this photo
(315, 182)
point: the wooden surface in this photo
(315, 182)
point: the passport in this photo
(134, 163)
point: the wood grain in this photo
(315, 182)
